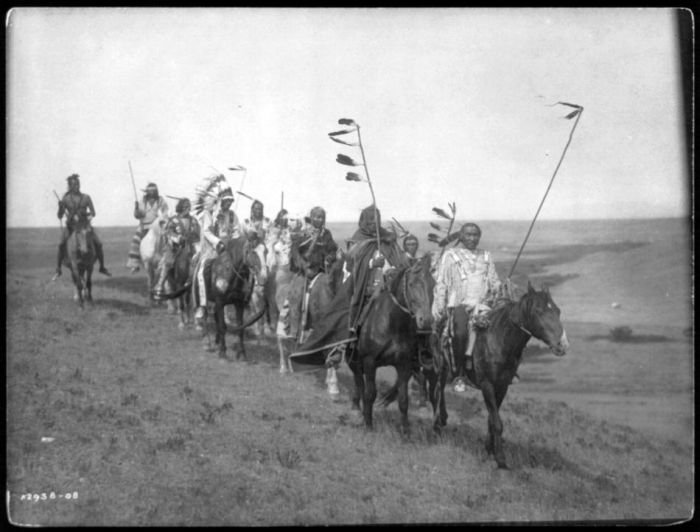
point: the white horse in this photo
(151, 251)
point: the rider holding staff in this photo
(466, 276)
(145, 211)
(368, 263)
(77, 207)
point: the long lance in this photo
(133, 183)
(60, 220)
(577, 113)
(371, 189)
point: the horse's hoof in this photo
(333, 389)
(181, 326)
(283, 370)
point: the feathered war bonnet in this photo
(211, 192)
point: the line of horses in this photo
(397, 331)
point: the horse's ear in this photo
(530, 289)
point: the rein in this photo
(519, 326)
(404, 285)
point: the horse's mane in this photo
(503, 315)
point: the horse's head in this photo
(230, 269)
(540, 317)
(414, 292)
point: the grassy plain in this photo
(116, 404)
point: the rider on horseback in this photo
(257, 226)
(466, 276)
(368, 264)
(317, 249)
(410, 247)
(145, 211)
(219, 224)
(180, 229)
(78, 208)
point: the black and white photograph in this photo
(349, 266)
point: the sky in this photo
(453, 104)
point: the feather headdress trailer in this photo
(207, 192)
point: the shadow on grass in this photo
(135, 284)
(122, 306)
(636, 339)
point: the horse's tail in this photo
(389, 396)
(179, 292)
(251, 321)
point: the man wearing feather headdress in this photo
(145, 211)
(77, 206)
(466, 276)
(219, 224)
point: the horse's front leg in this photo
(436, 381)
(219, 318)
(78, 282)
(88, 285)
(359, 389)
(404, 375)
(240, 352)
(370, 385)
(494, 442)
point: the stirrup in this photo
(334, 358)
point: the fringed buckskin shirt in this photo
(465, 278)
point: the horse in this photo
(179, 277)
(389, 336)
(498, 352)
(230, 279)
(80, 259)
(151, 251)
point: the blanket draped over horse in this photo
(331, 331)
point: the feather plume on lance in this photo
(354, 127)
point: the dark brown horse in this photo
(498, 351)
(80, 259)
(230, 279)
(389, 337)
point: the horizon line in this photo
(688, 217)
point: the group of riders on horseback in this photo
(465, 275)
